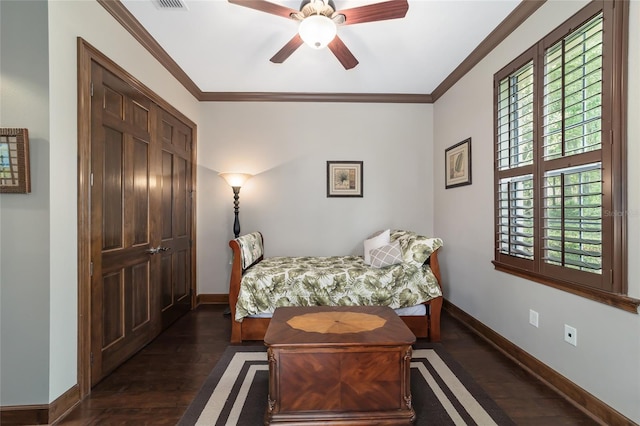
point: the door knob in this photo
(157, 250)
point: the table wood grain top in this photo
(337, 326)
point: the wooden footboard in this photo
(424, 326)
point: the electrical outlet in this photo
(533, 318)
(570, 335)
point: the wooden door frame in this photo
(86, 55)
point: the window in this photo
(559, 170)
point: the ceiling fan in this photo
(318, 20)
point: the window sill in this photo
(615, 300)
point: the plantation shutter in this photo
(560, 122)
(572, 184)
(514, 161)
(557, 144)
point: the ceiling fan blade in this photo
(391, 9)
(343, 53)
(265, 6)
(287, 50)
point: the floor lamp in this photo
(235, 181)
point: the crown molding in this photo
(397, 98)
(520, 14)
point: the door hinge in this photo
(91, 89)
(190, 243)
(91, 179)
(91, 269)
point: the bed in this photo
(401, 272)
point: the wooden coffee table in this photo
(339, 365)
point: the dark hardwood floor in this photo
(157, 384)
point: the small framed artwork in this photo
(457, 164)
(14, 161)
(344, 178)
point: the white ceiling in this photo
(224, 47)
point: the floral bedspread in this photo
(332, 281)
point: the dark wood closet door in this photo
(176, 201)
(125, 228)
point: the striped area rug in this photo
(235, 393)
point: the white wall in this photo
(286, 146)
(24, 218)
(606, 361)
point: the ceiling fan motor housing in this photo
(317, 7)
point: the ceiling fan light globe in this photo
(317, 31)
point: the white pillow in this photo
(382, 239)
(388, 255)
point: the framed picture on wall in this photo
(457, 164)
(344, 178)
(14, 161)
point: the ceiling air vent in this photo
(170, 4)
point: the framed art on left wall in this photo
(14, 161)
